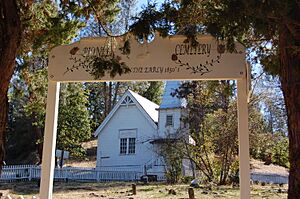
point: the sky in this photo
(141, 3)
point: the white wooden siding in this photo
(125, 118)
(163, 129)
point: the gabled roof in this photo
(148, 106)
(148, 109)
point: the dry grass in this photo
(90, 144)
(70, 190)
(88, 162)
(260, 167)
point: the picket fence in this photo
(33, 172)
(270, 178)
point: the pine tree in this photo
(73, 119)
(28, 25)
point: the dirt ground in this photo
(70, 190)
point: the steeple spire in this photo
(169, 101)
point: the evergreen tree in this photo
(27, 105)
(28, 25)
(153, 92)
(73, 119)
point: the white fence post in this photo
(30, 173)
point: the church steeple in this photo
(170, 110)
(169, 100)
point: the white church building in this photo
(129, 135)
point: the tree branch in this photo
(107, 32)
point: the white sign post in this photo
(48, 160)
(171, 58)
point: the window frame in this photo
(123, 146)
(131, 146)
(172, 120)
(127, 141)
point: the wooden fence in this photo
(33, 172)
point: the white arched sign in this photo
(170, 58)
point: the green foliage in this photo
(260, 138)
(270, 61)
(28, 103)
(37, 92)
(256, 25)
(153, 92)
(187, 179)
(73, 119)
(275, 146)
(264, 142)
(145, 24)
(26, 116)
(267, 122)
(126, 48)
(222, 130)
(102, 98)
(104, 11)
(172, 159)
(212, 119)
(20, 146)
(211, 110)
(280, 151)
(45, 26)
(234, 172)
(113, 66)
(96, 104)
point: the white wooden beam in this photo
(170, 58)
(48, 163)
(243, 134)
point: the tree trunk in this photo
(10, 38)
(290, 81)
(105, 99)
(109, 104)
(115, 94)
(38, 136)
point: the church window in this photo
(131, 146)
(123, 146)
(169, 120)
(127, 101)
(127, 141)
